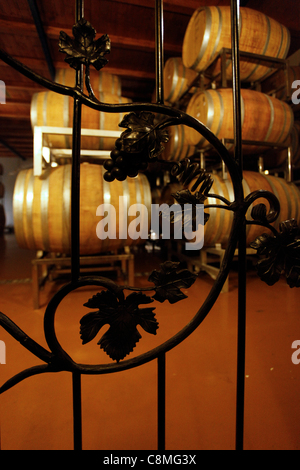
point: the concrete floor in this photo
(119, 410)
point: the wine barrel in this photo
(177, 148)
(100, 81)
(264, 118)
(278, 158)
(2, 219)
(209, 30)
(54, 110)
(217, 229)
(42, 208)
(177, 79)
(279, 84)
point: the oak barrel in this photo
(209, 30)
(217, 229)
(42, 208)
(177, 79)
(55, 110)
(264, 118)
(100, 81)
(177, 148)
(278, 158)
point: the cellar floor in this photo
(119, 410)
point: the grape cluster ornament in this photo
(139, 144)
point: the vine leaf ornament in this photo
(281, 254)
(123, 315)
(142, 135)
(83, 49)
(169, 280)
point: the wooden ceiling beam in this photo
(16, 110)
(178, 6)
(11, 25)
(12, 150)
(120, 41)
(53, 32)
(39, 65)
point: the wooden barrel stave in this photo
(177, 148)
(177, 79)
(42, 208)
(100, 81)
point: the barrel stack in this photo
(268, 124)
(42, 204)
(209, 31)
(51, 109)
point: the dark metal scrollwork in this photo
(123, 313)
(280, 254)
(140, 143)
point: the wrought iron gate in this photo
(142, 141)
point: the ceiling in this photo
(130, 26)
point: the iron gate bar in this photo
(159, 51)
(242, 266)
(77, 411)
(75, 192)
(161, 402)
(161, 360)
(75, 227)
(236, 85)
